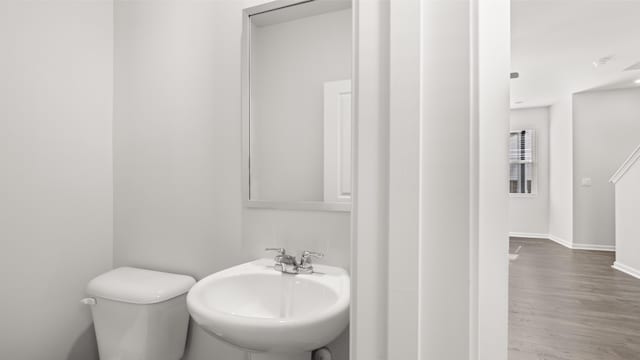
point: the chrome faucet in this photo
(288, 264)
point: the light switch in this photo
(586, 182)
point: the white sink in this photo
(259, 309)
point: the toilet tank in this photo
(140, 314)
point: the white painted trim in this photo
(378, 283)
(299, 205)
(271, 5)
(626, 165)
(593, 247)
(578, 246)
(369, 218)
(626, 269)
(404, 317)
(489, 275)
(529, 235)
(523, 195)
(244, 103)
(560, 241)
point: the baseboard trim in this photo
(563, 242)
(593, 247)
(529, 235)
(626, 269)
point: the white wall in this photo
(606, 129)
(627, 207)
(561, 171)
(56, 175)
(177, 152)
(177, 142)
(296, 231)
(291, 61)
(530, 214)
(177, 135)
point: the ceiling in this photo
(555, 44)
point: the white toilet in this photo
(140, 314)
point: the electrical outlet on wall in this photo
(586, 182)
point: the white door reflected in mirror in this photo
(337, 141)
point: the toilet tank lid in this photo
(139, 286)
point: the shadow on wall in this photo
(85, 347)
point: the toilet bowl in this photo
(140, 314)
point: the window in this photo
(522, 162)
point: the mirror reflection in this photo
(300, 103)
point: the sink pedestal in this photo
(273, 356)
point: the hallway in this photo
(570, 304)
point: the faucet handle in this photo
(281, 251)
(311, 254)
(305, 266)
(305, 259)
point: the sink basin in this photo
(259, 309)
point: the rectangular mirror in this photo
(297, 105)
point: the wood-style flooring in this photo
(570, 305)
